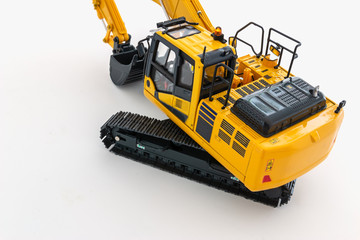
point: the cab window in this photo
(162, 83)
(208, 77)
(209, 74)
(163, 69)
(165, 57)
(182, 32)
(186, 75)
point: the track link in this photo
(162, 144)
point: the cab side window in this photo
(186, 75)
(164, 68)
(162, 83)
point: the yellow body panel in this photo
(181, 105)
(293, 151)
(282, 157)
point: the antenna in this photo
(203, 56)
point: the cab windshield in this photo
(182, 32)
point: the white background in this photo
(57, 181)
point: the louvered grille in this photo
(239, 149)
(257, 84)
(242, 139)
(227, 127)
(241, 92)
(224, 136)
(262, 81)
(247, 90)
(252, 87)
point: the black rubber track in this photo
(162, 144)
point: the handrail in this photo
(293, 52)
(252, 48)
(229, 81)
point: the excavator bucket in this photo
(127, 63)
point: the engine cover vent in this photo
(272, 109)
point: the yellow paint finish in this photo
(190, 122)
(267, 62)
(284, 157)
(194, 45)
(247, 76)
(181, 105)
(295, 151)
(274, 51)
(108, 11)
(197, 138)
(151, 87)
(166, 98)
(261, 67)
(226, 150)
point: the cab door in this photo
(172, 73)
(163, 71)
(183, 87)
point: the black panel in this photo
(210, 109)
(204, 116)
(279, 106)
(218, 55)
(267, 77)
(182, 93)
(180, 115)
(204, 129)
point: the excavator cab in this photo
(178, 77)
(169, 73)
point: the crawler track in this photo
(164, 145)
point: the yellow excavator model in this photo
(243, 124)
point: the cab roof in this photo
(193, 43)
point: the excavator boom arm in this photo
(108, 12)
(115, 27)
(190, 9)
